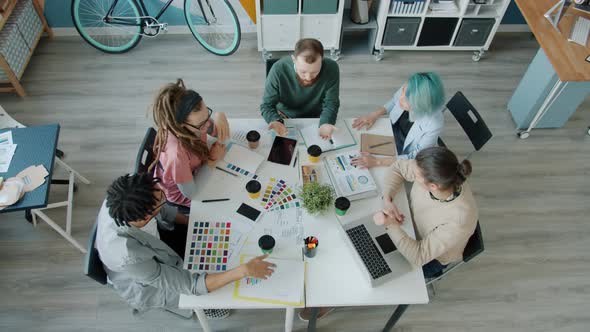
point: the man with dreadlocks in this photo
(141, 265)
(184, 121)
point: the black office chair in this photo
(473, 248)
(145, 155)
(469, 119)
(268, 63)
(93, 267)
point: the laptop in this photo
(374, 250)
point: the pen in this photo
(331, 141)
(296, 156)
(215, 200)
(228, 172)
(380, 144)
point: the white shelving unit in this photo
(471, 26)
(280, 32)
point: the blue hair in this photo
(425, 93)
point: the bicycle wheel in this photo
(214, 24)
(114, 32)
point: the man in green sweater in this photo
(304, 85)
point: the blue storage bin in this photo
(320, 6)
(279, 7)
(13, 48)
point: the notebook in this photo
(341, 138)
(378, 144)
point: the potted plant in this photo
(317, 197)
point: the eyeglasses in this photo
(161, 203)
(202, 123)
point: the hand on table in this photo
(279, 128)
(364, 160)
(259, 268)
(326, 131)
(221, 126)
(364, 121)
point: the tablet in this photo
(282, 150)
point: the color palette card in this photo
(240, 171)
(209, 247)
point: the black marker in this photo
(215, 200)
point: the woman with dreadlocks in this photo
(184, 121)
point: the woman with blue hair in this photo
(416, 118)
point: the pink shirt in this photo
(179, 165)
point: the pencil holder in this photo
(310, 246)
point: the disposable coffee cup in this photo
(314, 153)
(253, 188)
(253, 138)
(266, 244)
(342, 204)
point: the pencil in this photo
(228, 172)
(380, 144)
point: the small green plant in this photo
(316, 197)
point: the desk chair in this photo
(469, 119)
(473, 248)
(268, 63)
(145, 157)
(93, 267)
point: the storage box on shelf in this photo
(21, 25)
(282, 22)
(461, 25)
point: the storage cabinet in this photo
(279, 28)
(459, 25)
(21, 25)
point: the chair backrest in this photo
(269, 64)
(470, 120)
(474, 246)
(92, 265)
(145, 155)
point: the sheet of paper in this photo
(243, 157)
(341, 137)
(286, 226)
(284, 286)
(348, 179)
(6, 153)
(6, 138)
(33, 177)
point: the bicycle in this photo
(117, 26)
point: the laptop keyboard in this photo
(364, 245)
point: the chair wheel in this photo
(588, 132)
(523, 135)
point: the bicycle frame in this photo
(125, 21)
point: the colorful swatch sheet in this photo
(236, 169)
(210, 246)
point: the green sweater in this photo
(283, 92)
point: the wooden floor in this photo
(533, 195)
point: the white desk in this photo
(333, 277)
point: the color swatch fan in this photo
(278, 195)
